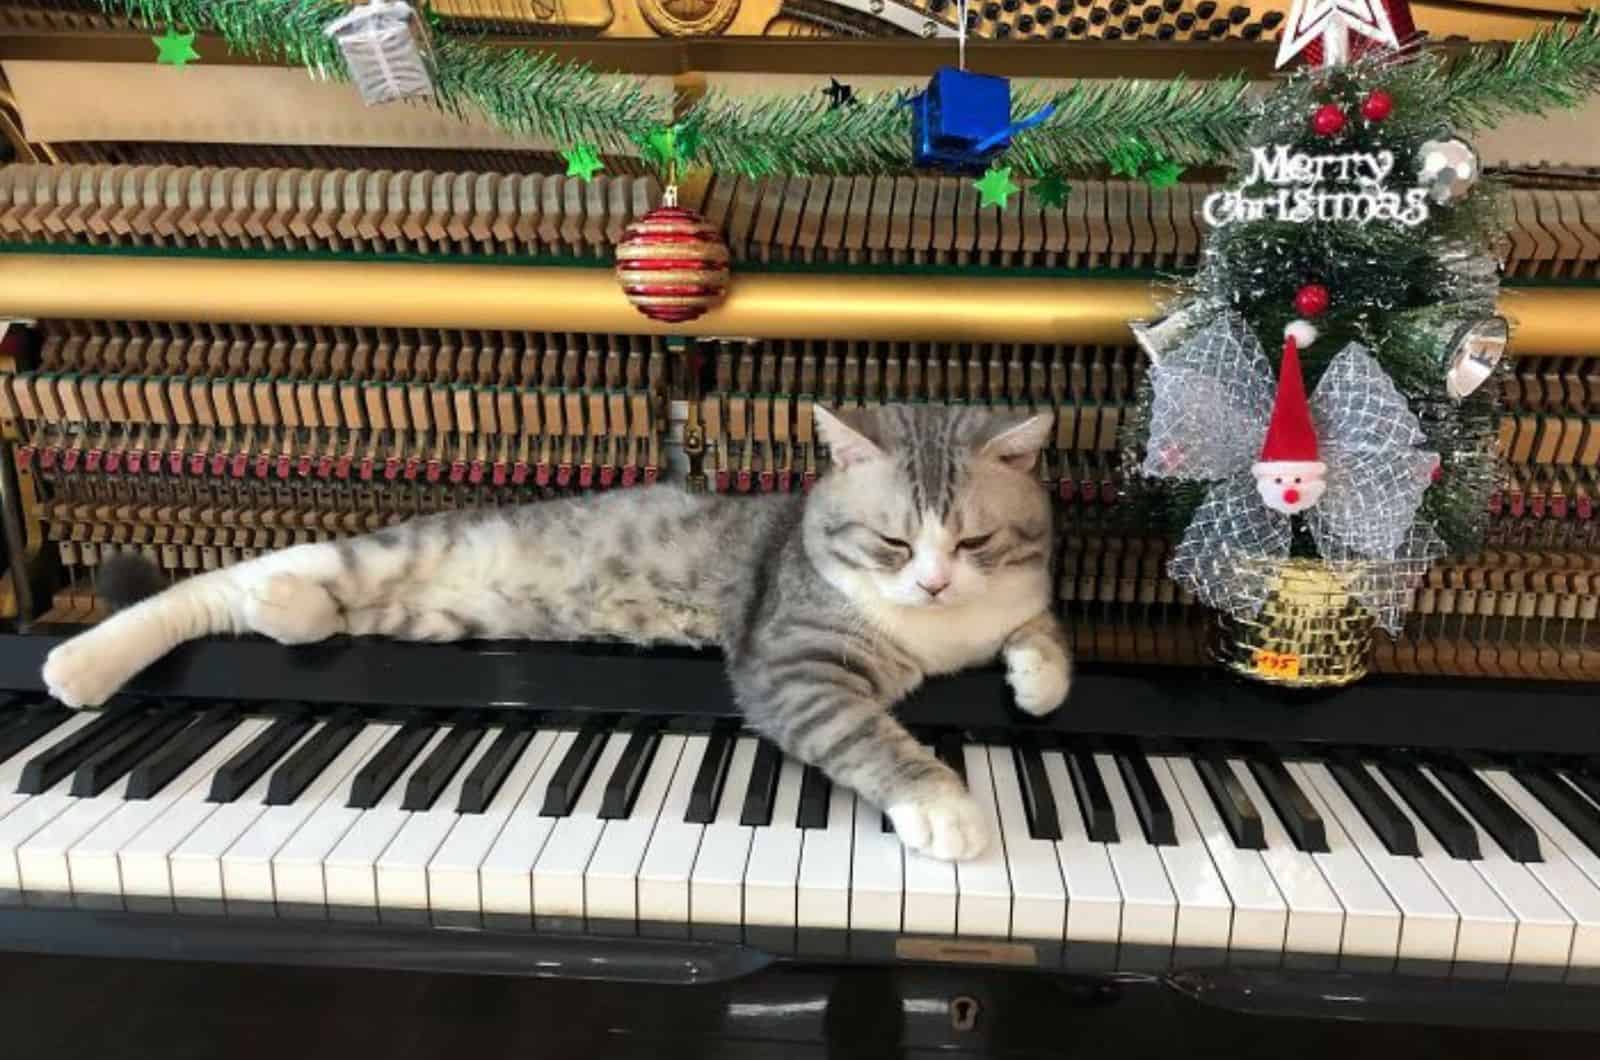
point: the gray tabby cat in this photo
(926, 549)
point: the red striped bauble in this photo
(673, 264)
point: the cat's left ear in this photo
(847, 446)
(1019, 445)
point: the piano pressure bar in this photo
(908, 307)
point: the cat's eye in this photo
(968, 544)
(895, 542)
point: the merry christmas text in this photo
(1298, 197)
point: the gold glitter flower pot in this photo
(1311, 633)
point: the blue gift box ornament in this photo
(964, 119)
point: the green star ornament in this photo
(583, 162)
(175, 49)
(996, 186)
(1052, 190)
(1163, 174)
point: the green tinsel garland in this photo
(530, 93)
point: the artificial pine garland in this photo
(536, 94)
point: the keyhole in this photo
(964, 1013)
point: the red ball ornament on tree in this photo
(1328, 120)
(1377, 106)
(672, 264)
(1311, 300)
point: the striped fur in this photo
(925, 550)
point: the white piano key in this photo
(1487, 929)
(94, 860)
(558, 874)
(1205, 909)
(247, 864)
(1429, 924)
(144, 860)
(1150, 909)
(983, 884)
(350, 871)
(42, 858)
(877, 872)
(11, 774)
(453, 870)
(670, 858)
(1094, 900)
(1316, 919)
(1570, 871)
(822, 898)
(771, 877)
(611, 882)
(717, 881)
(1260, 917)
(1038, 896)
(1372, 920)
(195, 864)
(402, 869)
(505, 878)
(1544, 930)
(297, 866)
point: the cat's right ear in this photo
(846, 445)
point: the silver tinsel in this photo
(1213, 398)
(383, 44)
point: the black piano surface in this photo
(82, 983)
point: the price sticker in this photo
(1275, 663)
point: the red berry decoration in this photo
(1311, 300)
(1377, 106)
(1328, 120)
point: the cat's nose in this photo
(934, 588)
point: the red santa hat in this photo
(1290, 435)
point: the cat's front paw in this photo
(1039, 674)
(947, 825)
(84, 671)
(292, 610)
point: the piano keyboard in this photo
(1103, 849)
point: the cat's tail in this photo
(126, 578)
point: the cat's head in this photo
(929, 506)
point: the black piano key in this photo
(1570, 808)
(815, 791)
(573, 772)
(1515, 836)
(433, 773)
(1233, 803)
(622, 787)
(1392, 827)
(483, 783)
(707, 790)
(60, 759)
(380, 772)
(157, 771)
(113, 761)
(312, 757)
(257, 756)
(1149, 804)
(1586, 778)
(1038, 804)
(763, 792)
(1300, 819)
(1437, 813)
(31, 727)
(1099, 818)
(949, 749)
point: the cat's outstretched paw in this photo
(85, 671)
(292, 610)
(1039, 674)
(948, 825)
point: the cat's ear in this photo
(1018, 446)
(847, 446)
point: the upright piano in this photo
(232, 328)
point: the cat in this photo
(924, 549)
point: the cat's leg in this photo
(1038, 668)
(824, 720)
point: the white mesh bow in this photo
(1212, 402)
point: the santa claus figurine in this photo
(1289, 476)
